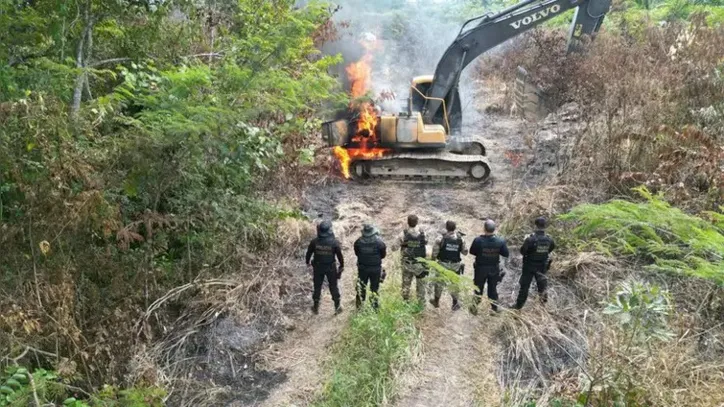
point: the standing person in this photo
(487, 249)
(324, 248)
(413, 244)
(536, 251)
(447, 250)
(370, 249)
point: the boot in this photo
(337, 308)
(455, 304)
(435, 302)
(315, 308)
(358, 302)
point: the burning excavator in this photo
(425, 141)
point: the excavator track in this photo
(432, 166)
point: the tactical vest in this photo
(324, 251)
(490, 252)
(538, 252)
(369, 253)
(415, 246)
(450, 248)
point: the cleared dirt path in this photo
(458, 367)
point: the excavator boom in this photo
(480, 34)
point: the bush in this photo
(20, 388)
(674, 241)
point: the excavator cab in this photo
(404, 131)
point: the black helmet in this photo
(540, 222)
(324, 229)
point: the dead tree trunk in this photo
(80, 61)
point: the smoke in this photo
(412, 36)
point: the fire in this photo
(366, 125)
(346, 156)
(359, 74)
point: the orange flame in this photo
(346, 156)
(359, 74)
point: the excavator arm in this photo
(480, 34)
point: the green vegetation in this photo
(462, 284)
(676, 242)
(20, 388)
(635, 11)
(141, 144)
(372, 350)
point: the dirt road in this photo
(457, 367)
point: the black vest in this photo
(370, 255)
(450, 248)
(490, 251)
(415, 246)
(538, 252)
(324, 251)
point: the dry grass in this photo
(538, 348)
(549, 353)
(223, 321)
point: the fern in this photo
(676, 242)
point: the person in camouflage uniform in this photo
(446, 251)
(412, 245)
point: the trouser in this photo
(439, 285)
(409, 271)
(491, 278)
(320, 273)
(369, 276)
(526, 278)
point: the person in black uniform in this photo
(324, 248)
(370, 249)
(536, 251)
(487, 250)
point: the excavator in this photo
(425, 141)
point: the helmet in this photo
(324, 229)
(540, 222)
(369, 230)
